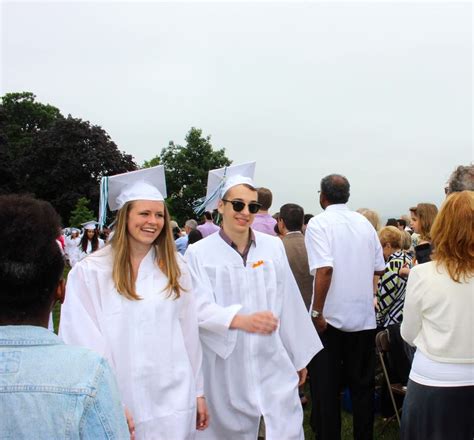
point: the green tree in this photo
(23, 117)
(152, 163)
(81, 213)
(55, 158)
(186, 170)
(68, 160)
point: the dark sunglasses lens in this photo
(253, 208)
(238, 206)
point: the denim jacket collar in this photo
(24, 335)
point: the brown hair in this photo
(426, 213)
(165, 250)
(453, 236)
(391, 235)
(265, 198)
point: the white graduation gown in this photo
(72, 249)
(80, 254)
(248, 375)
(152, 344)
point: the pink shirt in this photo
(207, 228)
(264, 223)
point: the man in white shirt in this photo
(344, 253)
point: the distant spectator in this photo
(306, 219)
(391, 286)
(194, 236)
(208, 227)
(462, 178)
(401, 224)
(263, 221)
(391, 222)
(290, 224)
(182, 242)
(371, 216)
(422, 217)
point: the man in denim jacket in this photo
(48, 390)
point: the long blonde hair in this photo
(165, 251)
(453, 236)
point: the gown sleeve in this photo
(189, 326)
(214, 320)
(79, 323)
(297, 331)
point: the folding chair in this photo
(382, 344)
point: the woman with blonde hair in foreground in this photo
(438, 316)
(132, 302)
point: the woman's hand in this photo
(202, 416)
(130, 423)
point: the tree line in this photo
(62, 159)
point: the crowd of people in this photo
(211, 332)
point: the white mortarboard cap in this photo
(145, 184)
(90, 225)
(74, 230)
(221, 180)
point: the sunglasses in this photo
(239, 205)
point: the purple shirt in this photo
(229, 241)
(264, 223)
(208, 228)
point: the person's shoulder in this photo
(83, 365)
(99, 260)
(267, 240)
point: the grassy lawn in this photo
(389, 432)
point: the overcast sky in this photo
(379, 92)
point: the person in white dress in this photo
(90, 242)
(72, 245)
(133, 302)
(256, 333)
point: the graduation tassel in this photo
(104, 195)
(199, 206)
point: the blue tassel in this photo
(104, 195)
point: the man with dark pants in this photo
(344, 253)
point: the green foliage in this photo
(186, 171)
(23, 117)
(152, 163)
(55, 158)
(81, 213)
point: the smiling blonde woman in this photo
(132, 302)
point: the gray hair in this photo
(336, 188)
(191, 224)
(461, 179)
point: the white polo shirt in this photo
(347, 242)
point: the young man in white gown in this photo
(255, 330)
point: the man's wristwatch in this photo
(315, 314)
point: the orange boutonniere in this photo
(161, 264)
(258, 263)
